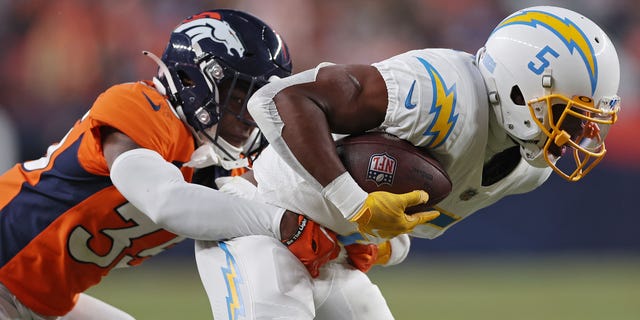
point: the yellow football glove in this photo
(382, 214)
(384, 253)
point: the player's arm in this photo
(335, 98)
(158, 189)
(311, 243)
(297, 115)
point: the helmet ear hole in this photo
(185, 79)
(516, 96)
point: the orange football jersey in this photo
(63, 225)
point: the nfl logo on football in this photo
(382, 167)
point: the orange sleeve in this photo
(143, 114)
(130, 108)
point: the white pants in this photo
(257, 277)
(87, 307)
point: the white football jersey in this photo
(437, 100)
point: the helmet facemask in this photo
(573, 126)
(235, 135)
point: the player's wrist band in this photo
(302, 223)
(345, 194)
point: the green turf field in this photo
(540, 288)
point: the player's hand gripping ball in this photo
(383, 162)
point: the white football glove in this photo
(237, 186)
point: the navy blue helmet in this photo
(213, 53)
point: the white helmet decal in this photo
(214, 29)
(566, 30)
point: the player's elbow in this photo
(258, 102)
(261, 105)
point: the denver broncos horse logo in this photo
(211, 27)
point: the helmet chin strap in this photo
(219, 153)
(209, 154)
(534, 155)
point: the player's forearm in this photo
(308, 136)
(306, 146)
(297, 129)
(158, 189)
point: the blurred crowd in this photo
(57, 56)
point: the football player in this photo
(543, 86)
(255, 277)
(115, 189)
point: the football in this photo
(383, 162)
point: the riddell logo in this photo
(382, 168)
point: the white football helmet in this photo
(552, 76)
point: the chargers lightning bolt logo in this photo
(567, 31)
(443, 107)
(235, 306)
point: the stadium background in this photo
(564, 251)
